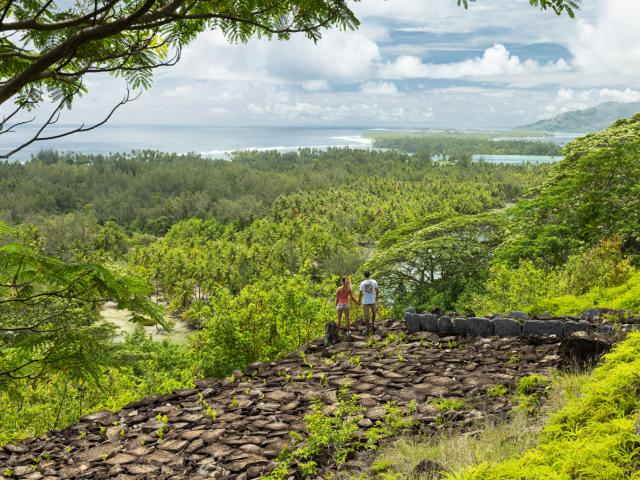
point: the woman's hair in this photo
(346, 281)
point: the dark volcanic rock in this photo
(444, 326)
(583, 350)
(542, 328)
(428, 322)
(507, 327)
(480, 327)
(517, 315)
(460, 326)
(412, 322)
(235, 429)
(572, 327)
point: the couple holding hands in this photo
(367, 297)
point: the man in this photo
(369, 287)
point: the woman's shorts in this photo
(342, 306)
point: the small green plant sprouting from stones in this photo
(529, 384)
(355, 361)
(83, 434)
(514, 359)
(103, 430)
(163, 429)
(401, 358)
(527, 393)
(295, 438)
(324, 380)
(7, 472)
(445, 404)
(382, 466)
(209, 411)
(234, 403)
(338, 434)
(307, 469)
(67, 449)
(451, 344)
(231, 378)
(497, 391)
(305, 360)
(104, 456)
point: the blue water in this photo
(216, 142)
(516, 159)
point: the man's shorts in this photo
(369, 307)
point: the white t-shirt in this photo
(368, 287)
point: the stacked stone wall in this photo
(516, 324)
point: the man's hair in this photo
(367, 274)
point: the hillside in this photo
(585, 121)
(237, 428)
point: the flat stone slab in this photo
(445, 326)
(507, 327)
(412, 322)
(543, 328)
(460, 326)
(480, 327)
(572, 327)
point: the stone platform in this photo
(178, 436)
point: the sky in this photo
(412, 63)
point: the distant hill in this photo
(587, 120)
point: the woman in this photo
(343, 295)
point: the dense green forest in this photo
(248, 252)
(460, 147)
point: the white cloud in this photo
(315, 85)
(608, 48)
(624, 96)
(379, 88)
(495, 62)
(369, 76)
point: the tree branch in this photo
(55, 115)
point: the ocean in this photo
(214, 142)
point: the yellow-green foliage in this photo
(592, 437)
(444, 404)
(600, 276)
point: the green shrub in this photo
(497, 391)
(529, 384)
(444, 404)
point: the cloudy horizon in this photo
(415, 63)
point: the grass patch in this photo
(493, 442)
